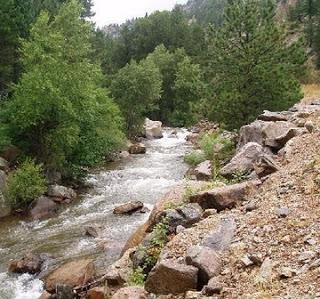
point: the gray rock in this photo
(92, 231)
(3, 181)
(273, 116)
(244, 161)
(246, 261)
(171, 277)
(251, 133)
(283, 212)
(265, 166)
(265, 274)
(224, 197)
(215, 286)
(191, 213)
(43, 208)
(309, 125)
(30, 263)
(180, 229)
(286, 272)
(220, 239)
(64, 292)
(4, 164)
(307, 256)
(203, 171)
(128, 208)
(61, 192)
(137, 149)
(153, 129)
(207, 260)
(130, 293)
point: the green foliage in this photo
(195, 157)
(25, 184)
(137, 277)
(59, 113)
(136, 88)
(252, 66)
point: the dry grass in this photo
(311, 90)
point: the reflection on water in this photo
(140, 177)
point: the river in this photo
(138, 177)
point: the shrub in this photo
(25, 184)
(137, 277)
(194, 158)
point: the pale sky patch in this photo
(118, 11)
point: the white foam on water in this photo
(24, 286)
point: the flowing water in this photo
(140, 177)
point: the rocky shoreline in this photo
(254, 238)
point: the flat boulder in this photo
(207, 260)
(42, 208)
(72, 274)
(130, 293)
(61, 193)
(251, 133)
(226, 197)
(203, 171)
(171, 277)
(30, 263)
(128, 208)
(137, 149)
(274, 116)
(243, 162)
(153, 129)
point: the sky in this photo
(118, 11)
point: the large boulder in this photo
(207, 260)
(128, 208)
(251, 133)
(171, 277)
(73, 274)
(244, 161)
(130, 293)
(61, 193)
(30, 263)
(224, 197)
(5, 209)
(137, 149)
(153, 129)
(274, 116)
(203, 171)
(43, 208)
(275, 132)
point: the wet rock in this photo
(273, 116)
(61, 193)
(221, 237)
(175, 278)
(173, 134)
(128, 208)
(283, 212)
(207, 260)
(144, 210)
(137, 149)
(92, 231)
(4, 164)
(223, 197)
(153, 129)
(124, 154)
(43, 208)
(243, 161)
(45, 295)
(251, 133)
(64, 292)
(203, 171)
(73, 274)
(30, 263)
(265, 166)
(215, 286)
(130, 293)
(96, 293)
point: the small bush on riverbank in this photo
(194, 158)
(25, 184)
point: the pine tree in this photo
(251, 65)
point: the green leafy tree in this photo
(58, 107)
(252, 66)
(136, 88)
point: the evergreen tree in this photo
(251, 65)
(59, 113)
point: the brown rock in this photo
(30, 263)
(62, 192)
(96, 293)
(203, 171)
(214, 287)
(170, 277)
(243, 162)
(223, 197)
(92, 231)
(73, 274)
(265, 166)
(207, 260)
(128, 208)
(43, 208)
(130, 293)
(137, 148)
(45, 295)
(273, 116)
(251, 133)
